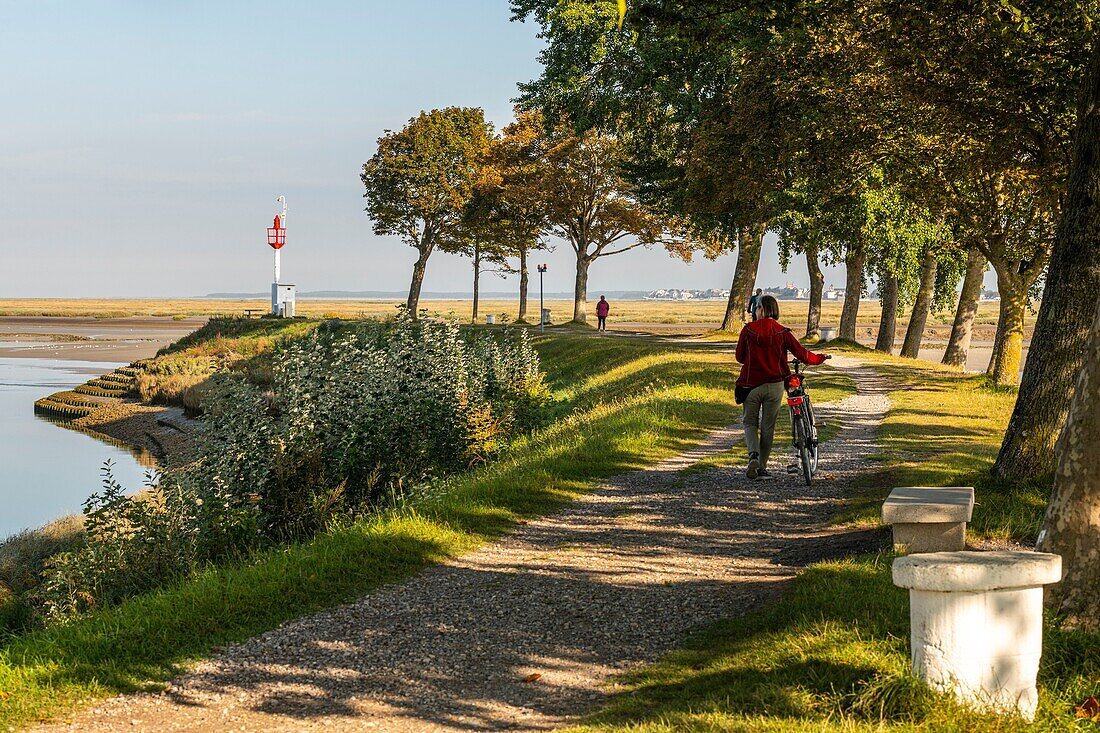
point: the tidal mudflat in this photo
(46, 469)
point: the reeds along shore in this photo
(622, 311)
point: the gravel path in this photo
(523, 634)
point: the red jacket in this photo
(762, 352)
(602, 307)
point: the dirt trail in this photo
(617, 578)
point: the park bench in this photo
(928, 519)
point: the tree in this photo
(421, 179)
(1007, 208)
(1002, 81)
(958, 346)
(487, 253)
(797, 234)
(824, 91)
(1072, 284)
(590, 205)
(750, 241)
(1071, 527)
(903, 238)
(518, 204)
(941, 268)
(709, 133)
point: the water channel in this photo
(47, 470)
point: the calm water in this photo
(47, 471)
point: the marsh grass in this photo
(623, 311)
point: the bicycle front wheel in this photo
(811, 434)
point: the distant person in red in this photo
(602, 309)
(762, 352)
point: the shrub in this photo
(356, 414)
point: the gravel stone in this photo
(527, 633)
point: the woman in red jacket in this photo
(762, 352)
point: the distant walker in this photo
(754, 301)
(602, 309)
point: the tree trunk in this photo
(958, 347)
(419, 267)
(523, 277)
(477, 278)
(910, 348)
(580, 290)
(1073, 280)
(888, 321)
(998, 339)
(817, 284)
(1004, 366)
(1071, 527)
(749, 240)
(853, 288)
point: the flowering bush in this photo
(355, 413)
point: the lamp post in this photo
(542, 310)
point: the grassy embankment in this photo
(833, 654)
(620, 405)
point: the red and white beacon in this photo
(282, 295)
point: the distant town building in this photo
(789, 291)
(684, 294)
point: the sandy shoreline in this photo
(90, 339)
(162, 432)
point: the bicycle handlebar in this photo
(796, 361)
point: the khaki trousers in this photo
(761, 410)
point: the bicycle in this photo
(803, 425)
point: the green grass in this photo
(623, 405)
(832, 654)
(944, 428)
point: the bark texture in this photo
(910, 348)
(477, 279)
(1008, 347)
(888, 320)
(958, 346)
(580, 290)
(419, 267)
(853, 288)
(523, 283)
(1070, 294)
(744, 277)
(817, 285)
(1071, 527)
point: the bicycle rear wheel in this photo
(802, 442)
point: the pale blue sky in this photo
(142, 144)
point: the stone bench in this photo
(928, 519)
(976, 623)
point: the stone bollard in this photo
(928, 518)
(977, 623)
